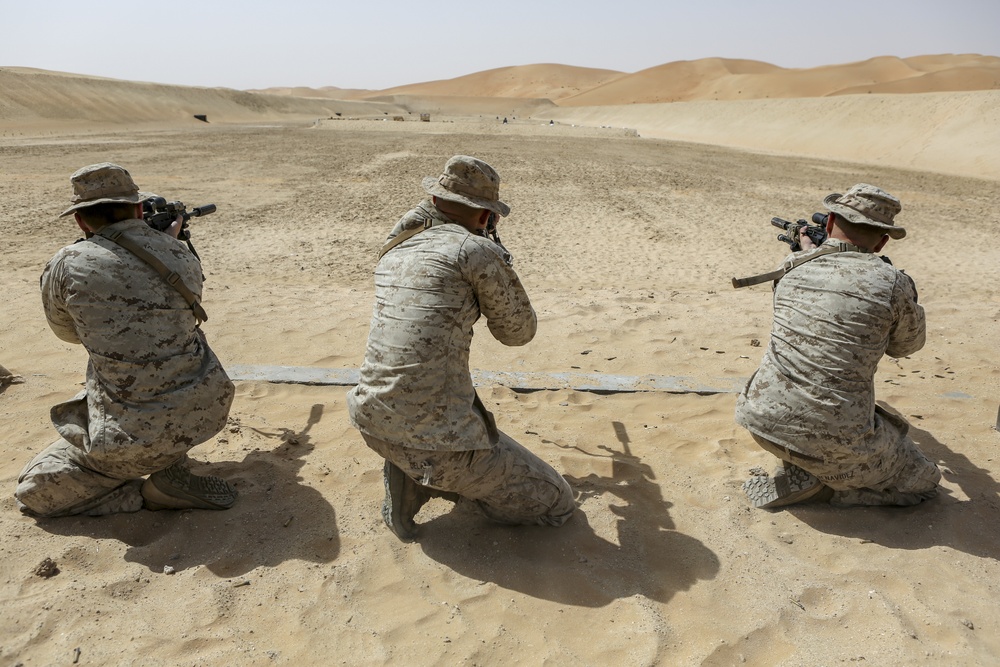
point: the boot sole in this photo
(157, 498)
(792, 487)
(395, 485)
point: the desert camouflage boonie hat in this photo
(470, 181)
(102, 183)
(868, 205)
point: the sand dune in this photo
(455, 105)
(938, 81)
(35, 98)
(956, 133)
(545, 81)
(705, 79)
(712, 79)
(27, 93)
(719, 79)
(326, 92)
(927, 131)
(672, 82)
(553, 82)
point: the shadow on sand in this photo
(274, 520)
(572, 564)
(946, 521)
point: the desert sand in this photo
(628, 222)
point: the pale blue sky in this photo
(372, 44)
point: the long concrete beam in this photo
(602, 383)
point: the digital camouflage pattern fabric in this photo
(102, 183)
(834, 318)
(868, 205)
(415, 404)
(154, 388)
(415, 388)
(470, 181)
(507, 483)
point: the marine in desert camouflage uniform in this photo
(415, 404)
(812, 401)
(154, 388)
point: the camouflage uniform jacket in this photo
(415, 389)
(834, 318)
(152, 381)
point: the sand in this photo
(626, 243)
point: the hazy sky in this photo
(378, 44)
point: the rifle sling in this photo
(173, 278)
(790, 264)
(404, 235)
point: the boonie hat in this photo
(470, 181)
(868, 205)
(102, 183)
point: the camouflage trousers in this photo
(57, 482)
(75, 477)
(907, 476)
(507, 483)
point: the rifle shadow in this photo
(946, 521)
(275, 518)
(8, 379)
(572, 564)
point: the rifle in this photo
(159, 214)
(491, 233)
(816, 232)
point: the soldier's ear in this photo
(881, 243)
(80, 223)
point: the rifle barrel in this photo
(203, 210)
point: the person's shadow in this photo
(572, 564)
(275, 518)
(964, 525)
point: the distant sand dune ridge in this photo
(555, 82)
(704, 79)
(936, 112)
(722, 79)
(37, 98)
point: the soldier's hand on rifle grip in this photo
(805, 242)
(175, 227)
